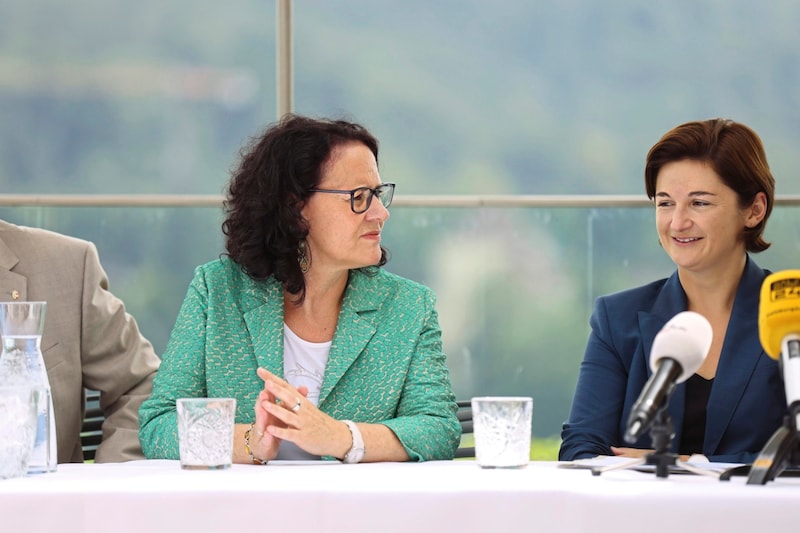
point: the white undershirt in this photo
(304, 362)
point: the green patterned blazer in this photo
(386, 363)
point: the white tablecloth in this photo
(157, 496)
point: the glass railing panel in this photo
(148, 253)
(515, 286)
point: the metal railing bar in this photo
(410, 200)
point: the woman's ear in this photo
(297, 202)
(756, 211)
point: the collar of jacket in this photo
(357, 324)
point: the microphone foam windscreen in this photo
(778, 310)
(686, 338)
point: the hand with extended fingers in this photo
(283, 413)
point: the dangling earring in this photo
(303, 257)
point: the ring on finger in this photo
(296, 406)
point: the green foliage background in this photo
(466, 96)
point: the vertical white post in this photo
(285, 81)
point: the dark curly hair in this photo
(263, 224)
(736, 154)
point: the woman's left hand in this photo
(630, 452)
(638, 453)
(306, 426)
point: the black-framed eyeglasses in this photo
(361, 198)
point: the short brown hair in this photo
(733, 151)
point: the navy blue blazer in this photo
(747, 402)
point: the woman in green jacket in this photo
(327, 354)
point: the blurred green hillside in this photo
(467, 96)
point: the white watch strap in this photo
(356, 452)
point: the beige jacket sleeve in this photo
(116, 360)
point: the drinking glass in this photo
(205, 432)
(502, 429)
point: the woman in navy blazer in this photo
(713, 193)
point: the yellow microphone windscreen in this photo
(778, 310)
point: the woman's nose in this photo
(377, 210)
(681, 218)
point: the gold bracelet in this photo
(253, 458)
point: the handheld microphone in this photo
(678, 351)
(779, 331)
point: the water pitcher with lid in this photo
(21, 363)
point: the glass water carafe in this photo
(21, 363)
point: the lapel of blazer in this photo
(740, 354)
(262, 303)
(357, 324)
(11, 283)
(670, 301)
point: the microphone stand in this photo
(780, 456)
(661, 432)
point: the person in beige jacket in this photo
(89, 339)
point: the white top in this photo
(304, 362)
